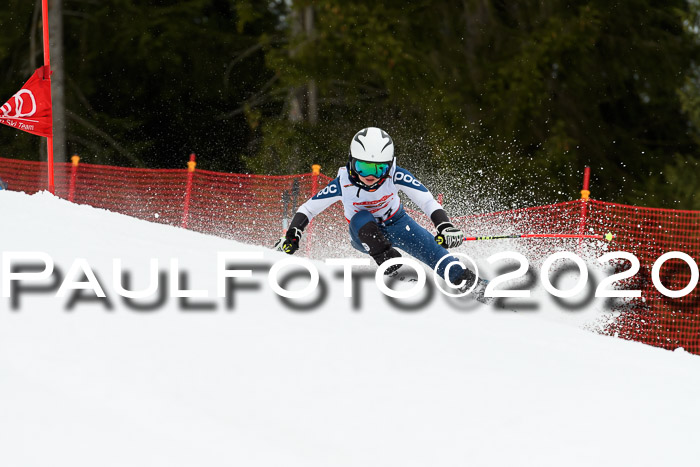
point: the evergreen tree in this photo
(482, 90)
(532, 90)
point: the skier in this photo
(368, 186)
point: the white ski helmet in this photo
(371, 154)
(372, 145)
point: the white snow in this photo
(264, 385)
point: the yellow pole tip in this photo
(609, 236)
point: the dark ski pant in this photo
(406, 234)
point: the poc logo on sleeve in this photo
(330, 190)
(408, 179)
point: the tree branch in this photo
(112, 142)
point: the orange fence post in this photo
(315, 172)
(188, 189)
(75, 160)
(585, 196)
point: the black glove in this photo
(290, 242)
(448, 235)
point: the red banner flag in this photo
(30, 108)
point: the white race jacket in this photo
(383, 203)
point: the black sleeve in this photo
(299, 221)
(439, 216)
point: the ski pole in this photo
(608, 236)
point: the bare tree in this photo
(57, 79)
(303, 100)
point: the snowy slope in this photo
(336, 385)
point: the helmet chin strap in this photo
(375, 185)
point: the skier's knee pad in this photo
(360, 219)
(371, 235)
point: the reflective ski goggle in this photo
(374, 169)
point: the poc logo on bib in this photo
(407, 178)
(331, 189)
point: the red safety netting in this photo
(649, 233)
(257, 209)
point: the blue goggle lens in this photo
(367, 169)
